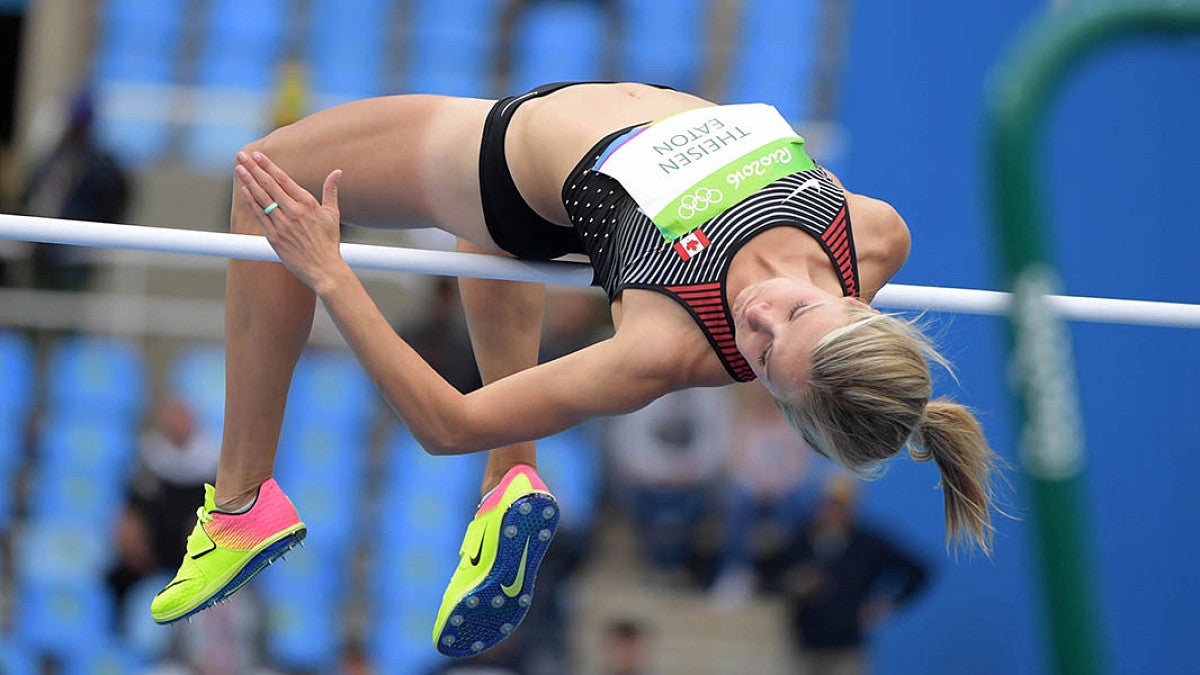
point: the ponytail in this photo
(951, 436)
(869, 395)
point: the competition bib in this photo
(688, 168)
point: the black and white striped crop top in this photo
(627, 250)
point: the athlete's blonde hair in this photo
(868, 397)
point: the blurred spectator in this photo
(355, 661)
(668, 456)
(177, 458)
(77, 180)
(842, 581)
(775, 484)
(625, 649)
(441, 337)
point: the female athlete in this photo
(727, 255)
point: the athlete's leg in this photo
(404, 158)
(492, 588)
(505, 322)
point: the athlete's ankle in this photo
(235, 501)
(494, 474)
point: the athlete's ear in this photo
(859, 301)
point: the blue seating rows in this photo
(411, 531)
(353, 49)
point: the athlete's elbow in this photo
(448, 440)
(441, 443)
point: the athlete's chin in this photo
(751, 360)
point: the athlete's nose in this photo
(758, 317)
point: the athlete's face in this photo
(779, 322)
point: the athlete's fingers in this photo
(284, 181)
(266, 182)
(263, 219)
(260, 198)
(329, 194)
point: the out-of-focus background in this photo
(697, 535)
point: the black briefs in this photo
(513, 225)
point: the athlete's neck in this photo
(781, 252)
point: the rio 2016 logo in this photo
(758, 166)
(698, 202)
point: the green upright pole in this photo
(1051, 436)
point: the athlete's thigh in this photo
(410, 160)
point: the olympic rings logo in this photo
(698, 202)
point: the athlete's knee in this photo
(242, 219)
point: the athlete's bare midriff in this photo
(549, 135)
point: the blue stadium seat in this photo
(399, 638)
(235, 24)
(303, 631)
(58, 552)
(331, 386)
(111, 659)
(322, 467)
(664, 42)
(144, 15)
(453, 45)
(117, 68)
(317, 568)
(244, 43)
(425, 506)
(558, 41)
(211, 148)
(17, 386)
(348, 50)
(64, 618)
(143, 35)
(570, 463)
(83, 445)
(431, 495)
(302, 628)
(81, 469)
(333, 516)
(134, 142)
(315, 451)
(775, 55)
(60, 494)
(9, 465)
(95, 377)
(197, 376)
(137, 54)
(146, 640)
(15, 659)
(16, 398)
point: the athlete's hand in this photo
(303, 231)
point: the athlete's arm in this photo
(527, 405)
(608, 378)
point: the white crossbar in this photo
(446, 263)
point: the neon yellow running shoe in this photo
(226, 549)
(492, 589)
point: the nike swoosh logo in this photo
(173, 583)
(512, 589)
(810, 183)
(479, 553)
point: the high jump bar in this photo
(447, 263)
